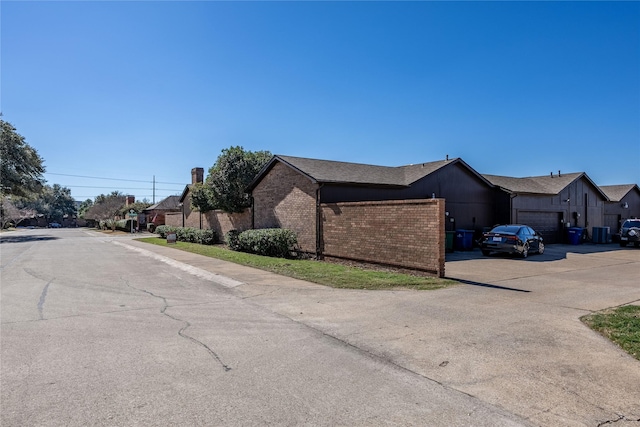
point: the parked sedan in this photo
(513, 239)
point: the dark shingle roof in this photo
(615, 193)
(333, 172)
(547, 184)
(167, 204)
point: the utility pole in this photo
(154, 189)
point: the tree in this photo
(10, 213)
(84, 206)
(21, 167)
(53, 202)
(229, 177)
(106, 207)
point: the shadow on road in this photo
(23, 238)
(553, 252)
(487, 285)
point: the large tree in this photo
(53, 202)
(21, 166)
(228, 178)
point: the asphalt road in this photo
(93, 333)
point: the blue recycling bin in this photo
(464, 240)
(600, 235)
(574, 234)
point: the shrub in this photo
(188, 234)
(125, 224)
(274, 242)
(232, 240)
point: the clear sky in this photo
(132, 90)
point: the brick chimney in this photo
(197, 175)
(130, 200)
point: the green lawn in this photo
(621, 325)
(324, 273)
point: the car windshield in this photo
(506, 229)
(629, 224)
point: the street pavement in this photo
(504, 347)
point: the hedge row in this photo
(188, 234)
(274, 242)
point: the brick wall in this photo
(287, 199)
(217, 220)
(402, 233)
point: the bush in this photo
(232, 240)
(125, 224)
(273, 242)
(188, 234)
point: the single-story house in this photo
(155, 214)
(551, 203)
(624, 202)
(289, 192)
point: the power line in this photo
(113, 179)
(119, 188)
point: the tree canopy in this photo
(21, 166)
(54, 202)
(228, 178)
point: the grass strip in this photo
(324, 273)
(621, 325)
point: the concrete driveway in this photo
(509, 335)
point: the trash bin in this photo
(464, 240)
(600, 235)
(450, 235)
(574, 234)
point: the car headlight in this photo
(633, 232)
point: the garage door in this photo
(545, 223)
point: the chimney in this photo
(197, 175)
(130, 200)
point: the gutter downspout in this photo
(319, 236)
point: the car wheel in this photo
(623, 244)
(486, 252)
(525, 250)
(540, 248)
(636, 244)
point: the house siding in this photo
(470, 200)
(287, 199)
(402, 233)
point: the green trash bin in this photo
(450, 235)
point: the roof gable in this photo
(615, 193)
(547, 184)
(168, 203)
(333, 172)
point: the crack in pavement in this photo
(620, 418)
(43, 297)
(187, 324)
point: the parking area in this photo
(510, 334)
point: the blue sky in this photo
(133, 90)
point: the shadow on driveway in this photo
(553, 252)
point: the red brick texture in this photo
(217, 220)
(287, 199)
(402, 233)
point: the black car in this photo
(630, 232)
(513, 239)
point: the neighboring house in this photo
(624, 202)
(217, 220)
(551, 203)
(155, 214)
(289, 192)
